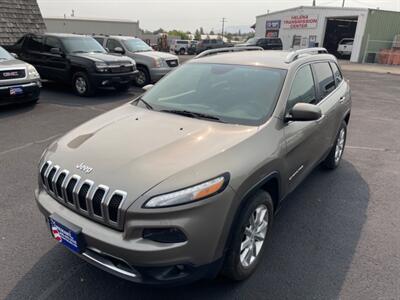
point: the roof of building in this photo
(314, 7)
(91, 19)
(18, 17)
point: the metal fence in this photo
(382, 52)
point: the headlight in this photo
(101, 67)
(191, 194)
(32, 73)
(157, 62)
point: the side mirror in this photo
(119, 50)
(304, 112)
(148, 87)
(56, 51)
(14, 55)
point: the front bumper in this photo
(112, 80)
(31, 92)
(157, 73)
(130, 256)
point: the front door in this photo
(303, 138)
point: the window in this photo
(213, 41)
(303, 89)
(34, 43)
(100, 40)
(112, 44)
(81, 44)
(235, 94)
(136, 45)
(325, 78)
(51, 42)
(336, 73)
(296, 40)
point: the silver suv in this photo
(152, 65)
(184, 181)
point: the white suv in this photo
(180, 46)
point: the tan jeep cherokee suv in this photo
(183, 182)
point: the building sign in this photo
(299, 22)
(272, 33)
(276, 24)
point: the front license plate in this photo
(16, 91)
(65, 233)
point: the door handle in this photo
(342, 99)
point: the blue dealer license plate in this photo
(65, 233)
(15, 91)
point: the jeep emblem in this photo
(84, 168)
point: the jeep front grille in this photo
(96, 202)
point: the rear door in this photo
(329, 94)
(32, 51)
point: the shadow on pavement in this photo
(307, 257)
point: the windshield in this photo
(136, 45)
(228, 93)
(252, 41)
(4, 55)
(81, 44)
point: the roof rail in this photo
(292, 56)
(228, 49)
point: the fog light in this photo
(105, 82)
(164, 235)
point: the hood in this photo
(157, 54)
(134, 149)
(12, 63)
(104, 57)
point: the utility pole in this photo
(313, 3)
(223, 27)
(343, 3)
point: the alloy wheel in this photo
(80, 85)
(141, 78)
(340, 145)
(254, 236)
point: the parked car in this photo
(345, 47)
(210, 44)
(76, 59)
(180, 46)
(265, 43)
(184, 181)
(19, 81)
(151, 65)
(192, 48)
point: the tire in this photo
(143, 78)
(334, 157)
(182, 51)
(82, 85)
(235, 266)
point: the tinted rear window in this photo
(34, 43)
(325, 78)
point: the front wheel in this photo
(142, 78)
(82, 85)
(249, 237)
(182, 51)
(335, 155)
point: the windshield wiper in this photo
(192, 114)
(79, 51)
(144, 102)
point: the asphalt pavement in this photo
(337, 236)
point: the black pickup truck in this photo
(75, 59)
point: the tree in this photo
(158, 31)
(182, 35)
(212, 32)
(197, 35)
(201, 30)
(229, 36)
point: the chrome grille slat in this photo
(83, 193)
